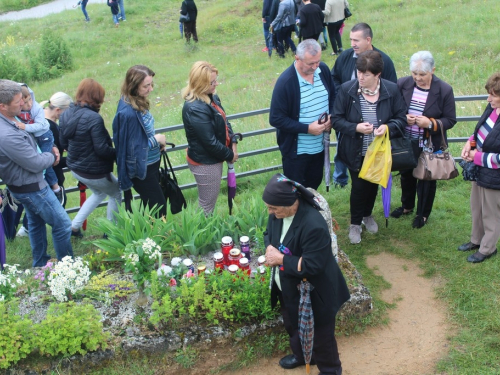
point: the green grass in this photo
(459, 33)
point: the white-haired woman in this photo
(428, 99)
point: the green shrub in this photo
(69, 329)
(53, 59)
(12, 69)
(15, 334)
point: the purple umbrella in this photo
(306, 322)
(386, 199)
(231, 177)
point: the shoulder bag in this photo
(171, 190)
(347, 12)
(404, 153)
(436, 166)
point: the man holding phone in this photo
(301, 95)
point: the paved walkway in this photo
(43, 10)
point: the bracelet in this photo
(434, 123)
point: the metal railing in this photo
(261, 151)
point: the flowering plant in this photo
(68, 277)
(140, 258)
(10, 279)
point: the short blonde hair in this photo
(58, 100)
(199, 82)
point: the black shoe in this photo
(341, 50)
(341, 186)
(60, 195)
(468, 246)
(77, 234)
(398, 212)
(477, 257)
(289, 362)
(418, 222)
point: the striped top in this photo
(313, 103)
(417, 105)
(154, 147)
(369, 112)
(486, 159)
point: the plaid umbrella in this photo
(386, 200)
(83, 197)
(306, 322)
(231, 177)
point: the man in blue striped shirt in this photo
(301, 95)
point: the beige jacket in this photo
(334, 10)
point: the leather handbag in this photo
(404, 152)
(171, 190)
(184, 18)
(438, 165)
(347, 13)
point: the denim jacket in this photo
(131, 144)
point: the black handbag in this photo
(184, 18)
(171, 190)
(469, 170)
(404, 152)
(347, 13)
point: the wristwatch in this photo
(430, 125)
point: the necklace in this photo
(368, 91)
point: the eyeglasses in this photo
(214, 82)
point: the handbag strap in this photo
(166, 161)
(444, 146)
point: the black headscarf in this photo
(283, 192)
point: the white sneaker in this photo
(355, 233)
(370, 224)
(23, 232)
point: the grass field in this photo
(461, 34)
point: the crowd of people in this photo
(359, 97)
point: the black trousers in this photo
(305, 169)
(149, 189)
(190, 30)
(425, 190)
(334, 34)
(363, 195)
(325, 349)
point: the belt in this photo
(29, 188)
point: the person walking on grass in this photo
(114, 11)
(83, 4)
(21, 169)
(189, 8)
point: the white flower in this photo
(164, 270)
(68, 275)
(175, 261)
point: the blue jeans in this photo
(340, 175)
(101, 188)
(122, 10)
(46, 142)
(84, 5)
(266, 31)
(42, 207)
(115, 19)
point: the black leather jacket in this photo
(391, 110)
(206, 132)
(83, 134)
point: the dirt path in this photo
(411, 343)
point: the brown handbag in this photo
(433, 166)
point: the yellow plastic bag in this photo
(378, 161)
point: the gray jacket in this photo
(41, 125)
(20, 162)
(286, 15)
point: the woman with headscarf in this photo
(208, 133)
(298, 247)
(138, 148)
(429, 101)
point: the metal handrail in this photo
(261, 151)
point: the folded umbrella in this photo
(326, 143)
(231, 177)
(11, 214)
(2, 243)
(386, 200)
(306, 322)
